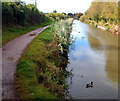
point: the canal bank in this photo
(41, 70)
(112, 28)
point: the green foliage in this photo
(30, 68)
(82, 18)
(57, 16)
(107, 27)
(27, 82)
(102, 11)
(61, 33)
(119, 11)
(54, 11)
(39, 72)
(9, 33)
(78, 15)
(71, 15)
(18, 13)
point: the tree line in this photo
(64, 15)
(21, 14)
(106, 12)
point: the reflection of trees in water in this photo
(111, 54)
(94, 43)
(112, 64)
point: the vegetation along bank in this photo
(103, 15)
(41, 70)
(19, 18)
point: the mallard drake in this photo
(89, 85)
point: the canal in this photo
(93, 57)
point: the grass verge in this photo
(39, 74)
(9, 33)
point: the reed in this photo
(61, 33)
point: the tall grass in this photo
(61, 33)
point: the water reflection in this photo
(94, 59)
(94, 43)
(109, 44)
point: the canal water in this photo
(93, 57)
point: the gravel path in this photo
(11, 53)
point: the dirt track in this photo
(11, 52)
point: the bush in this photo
(18, 13)
(57, 16)
(82, 18)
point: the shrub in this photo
(21, 14)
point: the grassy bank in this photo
(99, 23)
(40, 73)
(9, 33)
(111, 27)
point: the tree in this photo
(103, 11)
(21, 14)
(54, 11)
(71, 15)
